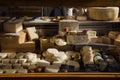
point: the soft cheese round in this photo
(75, 64)
(52, 69)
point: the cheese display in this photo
(103, 13)
(32, 33)
(13, 26)
(70, 24)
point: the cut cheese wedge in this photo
(32, 33)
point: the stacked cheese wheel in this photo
(103, 13)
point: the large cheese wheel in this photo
(103, 13)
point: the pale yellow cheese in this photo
(13, 26)
(16, 38)
(113, 34)
(32, 33)
(24, 47)
(103, 13)
(117, 40)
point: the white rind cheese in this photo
(52, 69)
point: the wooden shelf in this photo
(80, 75)
(60, 3)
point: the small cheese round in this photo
(52, 69)
(43, 63)
(3, 55)
(10, 71)
(53, 51)
(75, 64)
(22, 71)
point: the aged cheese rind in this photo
(103, 13)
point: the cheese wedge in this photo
(12, 26)
(32, 33)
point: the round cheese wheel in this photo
(53, 51)
(22, 71)
(62, 56)
(11, 55)
(30, 55)
(10, 71)
(43, 63)
(75, 64)
(1, 71)
(52, 69)
(3, 55)
(103, 13)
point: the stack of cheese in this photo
(18, 62)
(14, 38)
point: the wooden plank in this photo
(80, 75)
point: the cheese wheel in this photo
(10, 71)
(11, 55)
(3, 55)
(22, 61)
(60, 42)
(17, 66)
(22, 71)
(52, 69)
(62, 56)
(57, 63)
(43, 63)
(7, 66)
(53, 51)
(75, 64)
(5, 61)
(30, 55)
(103, 13)
(1, 71)
(20, 55)
(13, 61)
